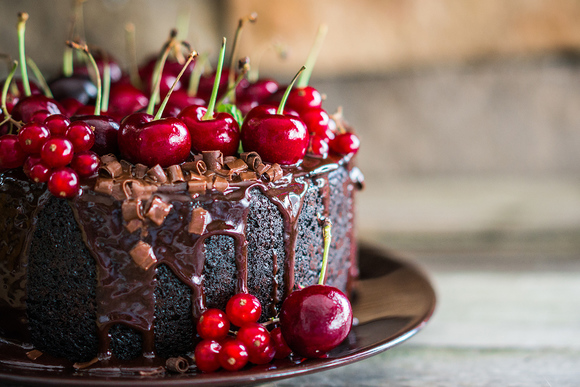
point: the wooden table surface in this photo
(504, 258)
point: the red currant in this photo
(39, 173)
(345, 143)
(213, 325)
(11, 153)
(29, 163)
(233, 355)
(243, 308)
(206, 355)
(57, 124)
(265, 356)
(86, 163)
(57, 152)
(81, 135)
(255, 337)
(32, 137)
(278, 342)
(64, 183)
(39, 116)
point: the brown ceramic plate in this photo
(393, 302)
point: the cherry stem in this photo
(216, 83)
(273, 320)
(106, 85)
(278, 48)
(7, 83)
(312, 55)
(231, 93)
(287, 92)
(158, 71)
(22, 18)
(39, 77)
(132, 53)
(337, 117)
(195, 76)
(327, 238)
(84, 48)
(250, 18)
(191, 56)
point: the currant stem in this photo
(191, 56)
(84, 48)
(158, 71)
(216, 84)
(251, 18)
(22, 18)
(287, 92)
(312, 55)
(39, 77)
(132, 54)
(7, 83)
(327, 239)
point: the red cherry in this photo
(165, 141)
(243, 308)
(181, 99)
(57, 152)
(213, 325)
(39, 173)
(317, 121)
(105, 130)
(315, 320)
(220, 133)
(318, 147)
(255, 337)
(279, 344)
(125, 99)
(32, 137)
(70, 106)
(77, 87)
(206, 84)
(233, 356)
(101, 59)
(207, 355)
(345, 143)
(250, 95)
(28, 106)
(11, 153)
(265, 356)
(304, 98)
(39, 116)
(81, 135)
(63, 183)
(86, 163)
(57, 124)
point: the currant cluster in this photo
(232, 350)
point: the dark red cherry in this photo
(317, 121)
(78, 87)
(315, 320)
(39, 116)
(206, 84)
(233, 356)
(243, 308)
(11, 153)
(213, 325)
(143, 140)
(114, 67)
(32, 137)
(220, 133)
(39, 173)
(81, 135)
(57, 124)
(279, 344)
(304, 98)
(259, 91)
(28, 106)
(57, 152)
(345, 143)
(255, 337)
(86, 164)
(105, 130)
(181, 99)
(85, 110)
(63, 183)
(125, 99)
(207, 355)
(70, 106)
(170, 71)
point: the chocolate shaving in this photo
(158, 210)
(175, 174)
(86, 364)
(132, 209)
(246, 176)
(261, 169)
(253, 159)
(213, 159)
(200, 218)
(196, 187)
(143, 255)
(104, 186)
(197, 157)
(34, 354)
(108, 158)
(237, 165)
(156, 175)
(177, 364)
(229, 159)
(220, 184)
(273, 173)
(134, 225)
(140, 171)
(152, 372)
(112, 169)
(226, 173)
(127, 167)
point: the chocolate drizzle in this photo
(134, 219)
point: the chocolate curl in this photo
(143, 255)
(104, 186)
(213, 159)
(156, 175)
(229, 159)
(127, 168)
(140, 171)
(132, 209)
(246, 176)
(111, 169)
(200, 218)
(34, 354)
(134, 225)
(225, 173)
(237, 166)
(197, 187)
(155, 371)
(273, 173)
(86, 364)
(220, 184)
(158, 211)
(175, 174)
(261, 169)
(177, 364)
(105, 159)
(197, 157)
(253, 159)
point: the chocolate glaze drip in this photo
(126, 290)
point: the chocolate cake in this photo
(124, 269)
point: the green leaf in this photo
(232, 110)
